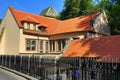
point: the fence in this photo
(82, 68)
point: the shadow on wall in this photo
(1, 34)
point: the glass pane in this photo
(28, 26)
(50, 45)
(34, 27)
(28, 43)
(59, 45)
(41, 45)
(33, 45)
(63, 43)
(46, 46)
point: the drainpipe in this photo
(39, 33)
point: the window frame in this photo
(33, 46)
(30, 45)
(34, 27)
(41, 47)
(46, 46)
(28, 25)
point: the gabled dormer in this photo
(29, 23)
(42, 28)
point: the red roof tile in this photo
(29, 19)
(97, 47)
(81, 23)
(19, 15)
(55, 26)
(33, 32)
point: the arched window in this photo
(28, 43)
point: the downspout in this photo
(39, 33)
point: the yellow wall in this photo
(10, 41)
(80, 35)
(22, 45)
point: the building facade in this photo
(25, 33)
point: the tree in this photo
(71, 9)
(114, 19)
(0, 20)
(112, 8)
(75, 8)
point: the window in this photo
(34, 27)
(28, 25)
(51, 46)
(92, 22)
(41, 45)
(46, 46)
(42, 28)
(33, 45)
(63, 43)
(59, 45)
(28, 43)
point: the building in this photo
(25, 33)
(49, 12)
(105, 47)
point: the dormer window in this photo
(42, 28)
(92, 23)
(29, 22)
(28, 25)
(34, 27)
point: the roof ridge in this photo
(48, 10)
(29, 17)
(104, 37)
(36, 15)
(81, 16)
(55, 27)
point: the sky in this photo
(31, 6)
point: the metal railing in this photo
(74, 68)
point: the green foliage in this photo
(71, 9)
(114, 18)
(0, 20)
(74, 8)
(113, 14)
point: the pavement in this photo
(9, 74)
(6, 75)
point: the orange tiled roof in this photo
(32, 32)
(81, 23)
(19, 15)
(96, 47)
(55, 26)
(29, 19)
